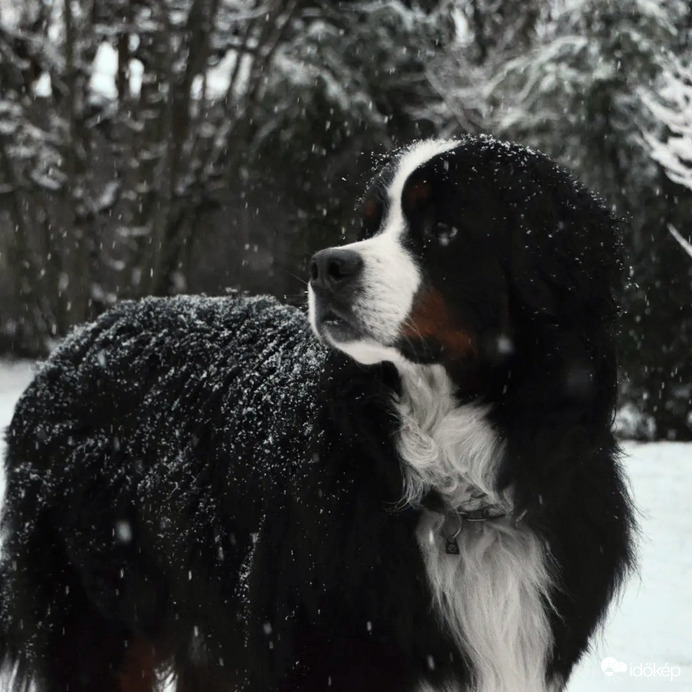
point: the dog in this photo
(415, 487)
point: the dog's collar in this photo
(455, 518)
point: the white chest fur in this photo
(493, 596)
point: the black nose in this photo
(334, 268)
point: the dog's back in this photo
(119, 456)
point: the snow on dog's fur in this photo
(429, 499)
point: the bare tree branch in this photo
(684, 244)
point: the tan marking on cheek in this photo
(138, 673)
(373, 210)
(430, 318)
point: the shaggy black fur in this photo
(202, 470)
(197, 482)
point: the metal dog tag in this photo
(451, 545)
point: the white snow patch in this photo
(219, 76)
(103, 71)
(14, 377)
(136, 73)
(43, 87)
(650, 627)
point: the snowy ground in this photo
(14, 376)
(648, 637)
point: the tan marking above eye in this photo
(417, 193)
(430, 318)
(372, 210)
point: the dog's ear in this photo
(564, 249)
(562, 267)
(531, 280)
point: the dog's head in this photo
(469, 249)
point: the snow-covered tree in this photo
(577, 93)
(671, 105)
(126, 124)
(670, 145)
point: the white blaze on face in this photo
(391, 277)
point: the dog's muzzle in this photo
(335, 276)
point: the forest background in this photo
(169, 146)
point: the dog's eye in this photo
(443, 233)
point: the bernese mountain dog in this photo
(416, 487)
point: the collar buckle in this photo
(486, 513)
